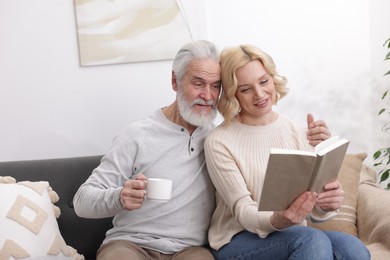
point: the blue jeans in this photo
(297, 242)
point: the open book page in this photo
(290, 151)
(287, 175)
(327, 145)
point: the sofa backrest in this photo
(65, 175)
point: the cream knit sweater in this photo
(236, 157)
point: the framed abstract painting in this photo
(123, 31)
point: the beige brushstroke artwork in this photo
(123, 31)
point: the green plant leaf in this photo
(381, 111)
(387, 73)
(388, 156)
(385, 175)
(377, 154)
(387, 42)
(388, 186)
(387, 57)
(385, 94)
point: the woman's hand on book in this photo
(296, 213)
(332, 198)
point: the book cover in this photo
(289, 173)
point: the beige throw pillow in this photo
(28, 222)
(349, 177)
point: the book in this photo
(289, 173)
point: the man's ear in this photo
(174, 82)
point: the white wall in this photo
(50, 107)
(325, 50)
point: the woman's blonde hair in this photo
(231, 60)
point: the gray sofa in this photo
(65, 176)
(369, 219)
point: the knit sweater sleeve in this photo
(99, 196)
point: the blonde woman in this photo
(236, 155)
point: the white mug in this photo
(158, 189)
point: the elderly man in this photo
(167, 144)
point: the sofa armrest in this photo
(373, 215)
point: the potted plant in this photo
(382, 155)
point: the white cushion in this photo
(28, 224)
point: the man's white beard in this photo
(187, 112)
